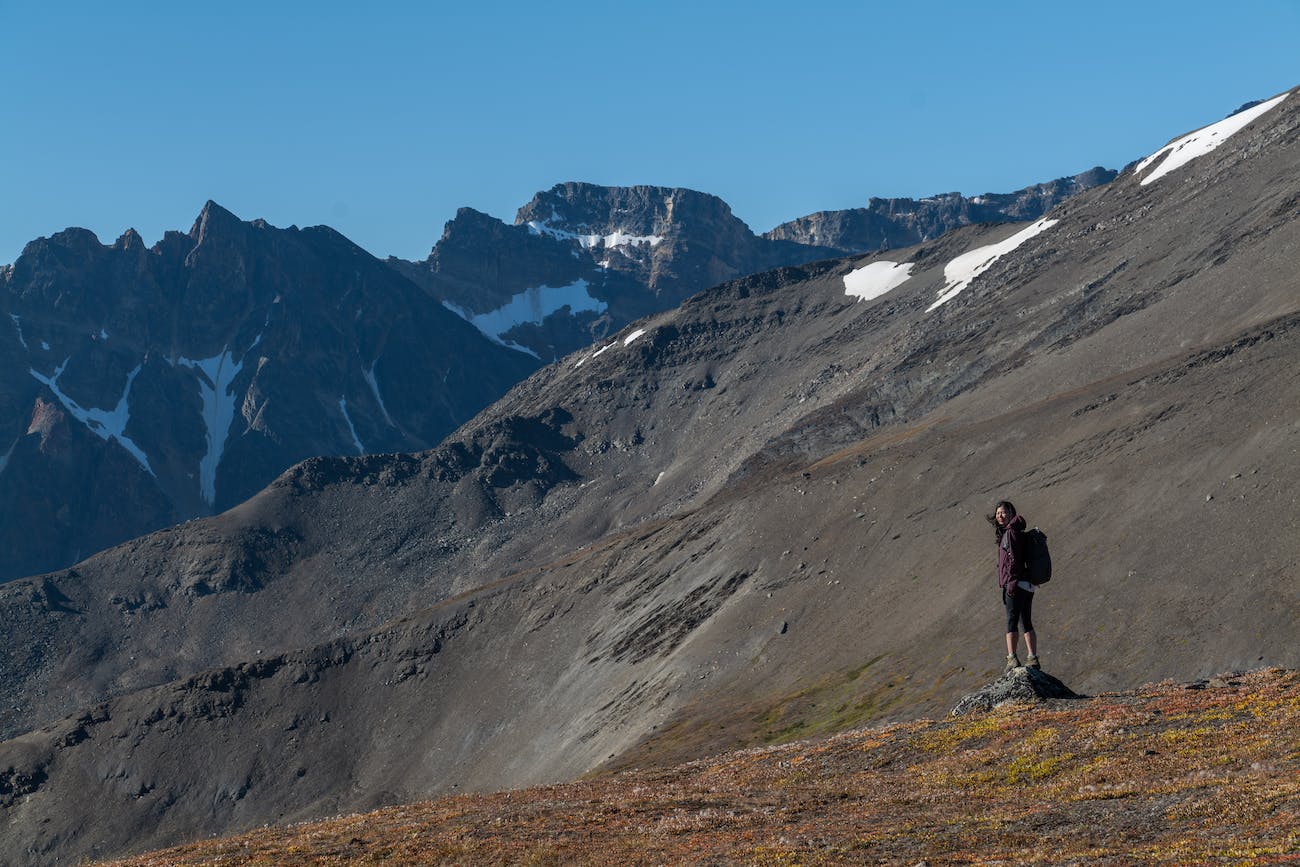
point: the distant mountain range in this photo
(147, 386)
(760, 512)
(144, 386)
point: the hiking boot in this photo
(1013, 661)
(1032, 662)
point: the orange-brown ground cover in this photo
(1165, 774)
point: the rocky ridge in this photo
(888, 224)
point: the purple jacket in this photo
(1011, 555)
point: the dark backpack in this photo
(1038, 562)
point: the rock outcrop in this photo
(1021, 684)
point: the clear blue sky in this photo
(381, 119)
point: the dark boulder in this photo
(1018, 685)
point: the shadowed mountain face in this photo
(757, 515)
(146, 386)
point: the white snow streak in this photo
(875, 279)
(217, 376)
(627, 341)
(18, 325)
(374, 388)
(356, 441)
(105, 423)
(1197, 144)
(961, 271)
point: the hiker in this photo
(1017, 592)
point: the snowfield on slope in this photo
(530, 306)
(106, 424)
(875, 279)
(960, 272)
(1199, 143)
(217, 376)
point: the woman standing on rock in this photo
(1017, 592)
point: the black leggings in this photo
(1020, 609)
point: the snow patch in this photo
(627, 341)
(1199, 143)
(965, 268)
(104, 423)
(356, 441)
(602, 350)
(530, 306)
(875, 279)
(45, 345)
(659, 478)
(617, 238)
(216, 376)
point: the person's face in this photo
(1001, 516)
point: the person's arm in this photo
(1014, 560)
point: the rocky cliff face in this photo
(887, 224)
(143, 386)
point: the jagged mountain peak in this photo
(129, 240)
(214, 218)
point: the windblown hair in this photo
(1006, 506)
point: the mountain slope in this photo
(647, 537)
(1094, 781)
